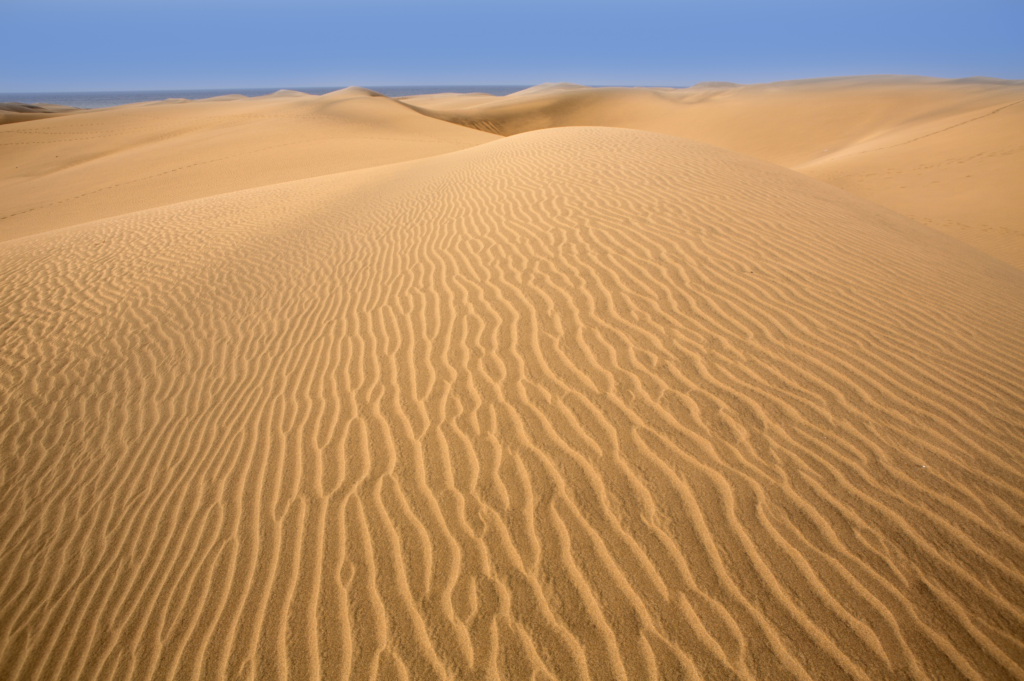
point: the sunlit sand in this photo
(716, 383)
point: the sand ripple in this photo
(583, 403)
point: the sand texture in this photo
(577, 403)
(948, 153)
(98, 164)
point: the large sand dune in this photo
(579, 403)
(948, 153)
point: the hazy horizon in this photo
(95, 99)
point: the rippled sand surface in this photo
(308, 388)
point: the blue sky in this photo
(60, 45)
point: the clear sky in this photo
(65, 45)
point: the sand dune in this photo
(17, 112)
(98, 164)
(944, 152)
(582, 403)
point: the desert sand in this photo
(947, 153)
(17, 112)
(570, 384)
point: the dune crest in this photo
(288, 93)
(98, 164)
(943, 152)
(19, 112)
(580, 403)
(546, 88)
(350, 92)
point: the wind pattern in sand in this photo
(582, 403)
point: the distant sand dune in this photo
(94, 165)
(947, 153)
(583, 403)
(17, 112)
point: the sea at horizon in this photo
(101, 99)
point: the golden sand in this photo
(326, 387)
(947, 153)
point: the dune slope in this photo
(19, 112)
(99, 164)
(947, 153)
(581, 403)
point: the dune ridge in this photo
(19, 112)
(581, 403)
(99, 164)
(946, 153)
